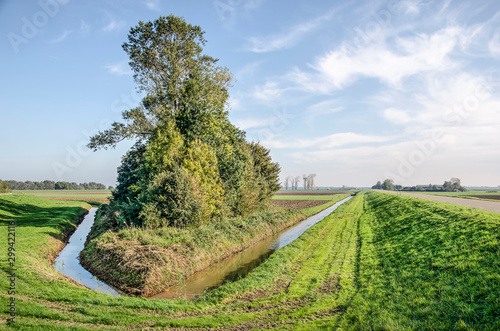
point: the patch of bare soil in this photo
(491, 197)
(298, 204)
(307, 193)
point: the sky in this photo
(352, 91)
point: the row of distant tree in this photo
(292, 182)
(453, 185)
(52, 185)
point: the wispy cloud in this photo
(390, 64)
(62, 37)
(113, 25)
(119, 69)
(330, 141)
(289, 38)
(268, 92)
(252, 123)
(152, 4)
(84, 26)
(322, 108)
(247, 70)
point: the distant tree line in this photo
(453, 185)
(293, 182)
(51, 185)
(4, 187)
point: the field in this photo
(93, 197)
(297, 204)
(380, 261)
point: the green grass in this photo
(93, 197)
(379, 262)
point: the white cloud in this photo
(264, 44)
(494, 45)
(325, 107)
(397, 116)
(152, 4)
(268, 92)
(322, 108)
(331, 141)
(119, 69)
(408, 57)
(114, 25)
(62, 37)
(252, 123)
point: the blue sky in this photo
(354, 92)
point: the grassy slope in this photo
(146, 262)
(378, 262)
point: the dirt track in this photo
(480, 204)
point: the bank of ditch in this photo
(144, 262)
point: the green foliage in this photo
(171, 201)
(188, 154)
(4, 187)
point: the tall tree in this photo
(190, 163)
(180, 82)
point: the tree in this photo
(190, 164)
(4, 187)
(180, 83)
(388, 184)
(377, 186)
(454, 185)
(296, 182)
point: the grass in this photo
(379, 262)
(93, 197)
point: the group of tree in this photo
(388, 184)
(453, 185)
(189, 164)
(292, 182)
(52, 185)
(4, 187)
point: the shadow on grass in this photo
(59, 218)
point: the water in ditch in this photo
(68, 262)
(239, 265)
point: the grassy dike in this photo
(379, 262)
(144, 262)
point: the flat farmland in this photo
(493, 195)
(310, 193)
(305, 196)
(297, 204)
(90, 196)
